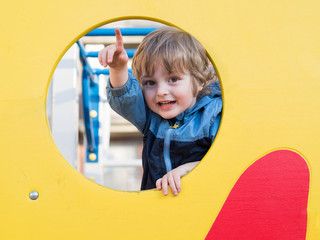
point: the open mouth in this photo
(166, 103)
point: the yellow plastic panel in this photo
(267, 54)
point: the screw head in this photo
(92, 157)
(93, 114)
(34, 195)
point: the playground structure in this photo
(79, 83)
(267, 58)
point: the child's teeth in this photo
(166, 103)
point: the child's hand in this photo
(116, 58)
(172, 178)
(114, 55)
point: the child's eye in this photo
(148, 83)
(173, 79)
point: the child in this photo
(175, 103)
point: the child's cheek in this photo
(148, 97)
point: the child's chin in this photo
(168, 116)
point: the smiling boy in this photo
(175, 103)
(166, 94)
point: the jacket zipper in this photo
(166, 148)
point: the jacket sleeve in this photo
(216, 109)
(216, 118)
(128, 101)
(214, 127)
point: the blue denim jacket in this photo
(165, 147)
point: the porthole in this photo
(103, 146)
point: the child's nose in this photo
(162, 90)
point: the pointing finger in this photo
(119, 40)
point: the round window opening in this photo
(126, 131)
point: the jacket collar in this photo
(201, 102)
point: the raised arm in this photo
(116, 58)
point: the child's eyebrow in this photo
(176, 73)
(145, 77)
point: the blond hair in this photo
(178, 52)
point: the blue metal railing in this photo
(85, 63)
(90, 86)
(130, 53)
(124, 31)
(105, 71)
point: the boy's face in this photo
(168, 94)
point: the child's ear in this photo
(201, 86)
(199, 89)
